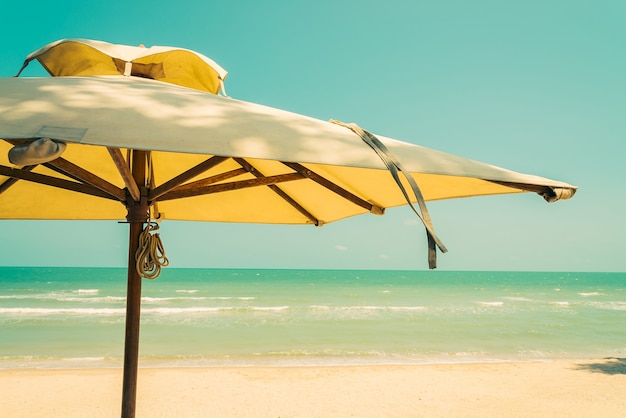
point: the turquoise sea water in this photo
(74, 317)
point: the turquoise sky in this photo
(533, 86)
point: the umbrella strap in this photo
(23, 68)
(393, 165)
(150, 256)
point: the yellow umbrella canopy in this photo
(142, 134)
(85, 57)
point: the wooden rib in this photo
(280, 192)
(12, 180)
(213, 179)
(225, 187)
(187, 175)
(76, 172)
(124, 170)
(16, 141)
(525, 187)
(53, 181)
(334, 188)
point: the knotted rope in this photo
(150, 256)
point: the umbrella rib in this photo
(209, 180)
(541, 190)
(280, 192)
(377, 210)
(124, 170)
(187, 175)
(66, 167)
(12, 180)
(53, 181)
(226, 187)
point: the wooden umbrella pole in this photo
(137, 216)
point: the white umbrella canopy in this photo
(141, 134)
(184, 127)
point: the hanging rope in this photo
(150, 256)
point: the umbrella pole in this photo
(133, 310)
(137, 214)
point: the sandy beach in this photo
(563, 388)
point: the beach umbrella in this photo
(147, 134)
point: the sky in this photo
(536, 86)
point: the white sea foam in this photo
(560, 303)
(144, 299)
(213, 309)
(491, 303)
(268, 308)
(407, 308)
(170, 311)
(517, 299)
(187, 291)
(154, 301)
(83, 359)
(42, 296)
(104, 299)
(320, 307)
(367, 308)
(587, 294)
(87, 291)
(62, 311)
(611, 306)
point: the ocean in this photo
(74, 317)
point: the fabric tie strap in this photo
(393, 165)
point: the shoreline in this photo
(563, 387)
(185, 362)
